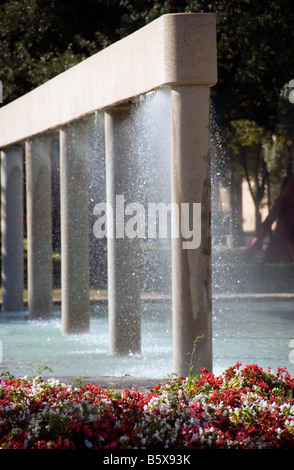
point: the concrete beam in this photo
(174, 49)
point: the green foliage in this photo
(254, 56)
(42, 38)
(255, 63)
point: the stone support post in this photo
(74, 230)
(39, 227)
(191, 265)
(12, 228)
(123, 252)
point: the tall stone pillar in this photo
(191, 262)
(74, 230)
(123, 252)
(12, 229)
(39, 226)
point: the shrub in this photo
(243, 408)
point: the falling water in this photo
(148, 127)
(247, 328)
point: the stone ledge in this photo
(119, 384)
(175, 48)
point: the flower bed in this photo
(243, 408)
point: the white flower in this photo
(88, 444)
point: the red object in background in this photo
(281, 247)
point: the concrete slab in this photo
(175, 48)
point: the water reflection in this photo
(250, 331)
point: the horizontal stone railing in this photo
(174, 49)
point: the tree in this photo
(42, 38)
(254, 57)
(254, 63)
(246, 145)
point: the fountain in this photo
(176, 55)
(101, 147)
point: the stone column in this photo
(191, 263)
(12, 229)
(74, 230)
(39, 226)
(123, 252)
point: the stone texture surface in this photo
(175, 48)
(119, 384)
